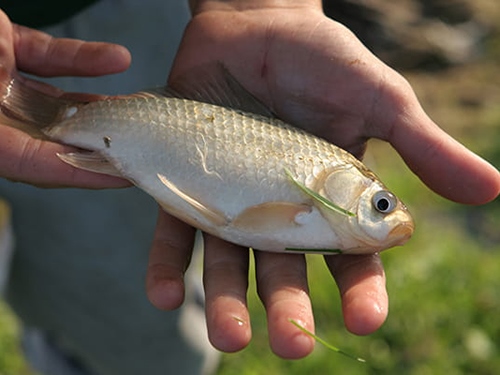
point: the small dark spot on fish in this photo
(107, 141)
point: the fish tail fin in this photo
(26, 108)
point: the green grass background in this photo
(444, 285)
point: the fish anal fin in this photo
(90, 161)
(271, 216)
(216, 217)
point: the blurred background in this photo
(444, 285)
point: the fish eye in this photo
(384, 201)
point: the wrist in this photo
(199, 6)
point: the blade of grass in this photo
(319, 198)
(318, 251)
(329, 346)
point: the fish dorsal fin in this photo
(213, 84)
(158, 91)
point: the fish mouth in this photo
(402, 233)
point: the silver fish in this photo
(217, 159)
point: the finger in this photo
(443, 164)
(40, 54)
(361, 282)
(282, 287)
(26, 159)
(168, 260)
(226, 281)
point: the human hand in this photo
(315, 74)
(28, 159)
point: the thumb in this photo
(441, 162)
(445, 165)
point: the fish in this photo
(214, 156)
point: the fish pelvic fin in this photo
(216, 217)
(90, 161)
(319, 198)
(26, 108)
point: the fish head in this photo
(375, 220)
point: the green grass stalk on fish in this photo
(325, 343)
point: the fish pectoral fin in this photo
(215, 216)
(271, 216)
(90, 161)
